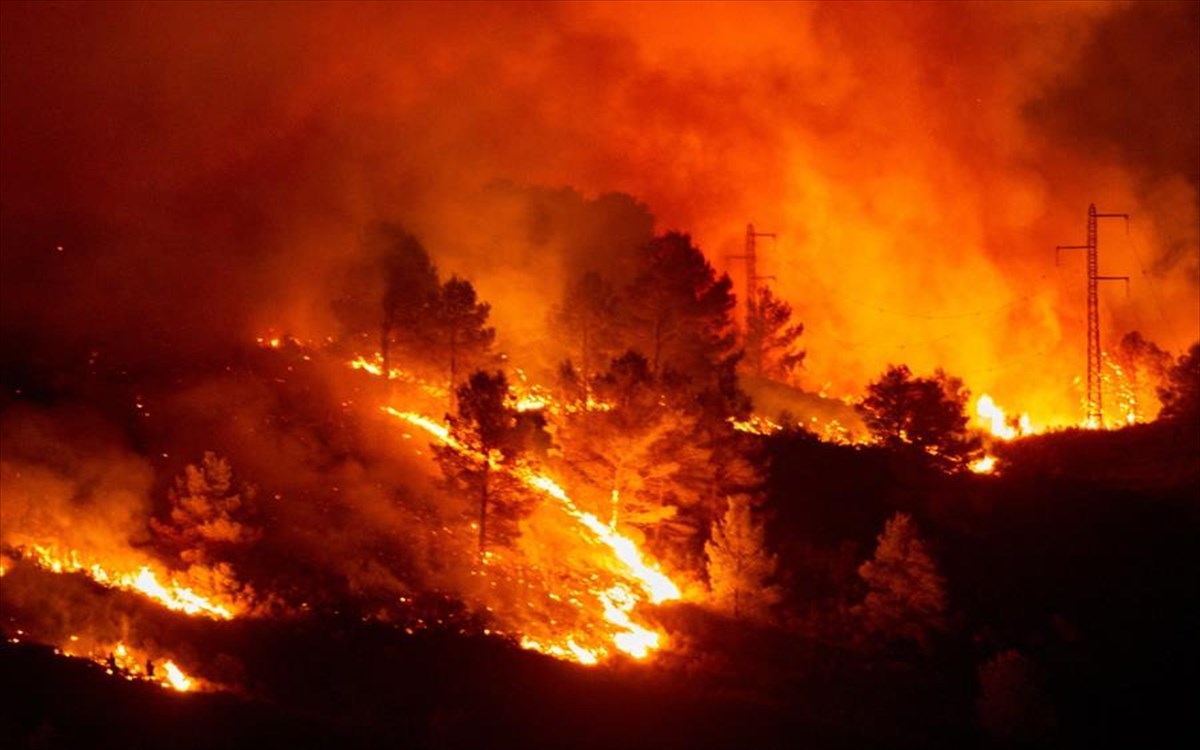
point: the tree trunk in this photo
(483, 503)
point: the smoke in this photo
(207, 168)
(65, 475)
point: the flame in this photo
(124, 661)
(1117, 383)
(985, 465)
(755, 425)
(374, 366)
(176, 678)
(143, 580)
(996, 422)
(619, 600)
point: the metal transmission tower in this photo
(1095, 401)
(752, 279)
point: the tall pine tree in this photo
(739, 564)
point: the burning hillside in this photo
(335, 333)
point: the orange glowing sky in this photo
(918, 161)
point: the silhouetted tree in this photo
(461, 338)
(772, 339)
(739, 564)
(924, 413)
(587, 319)
(1180, 396)
(385, 293)
(681, 312)
(906, 594)
(493, 437)
(410, 292)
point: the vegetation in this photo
(1180, 396)
(494, 435)
(740, 567)
(773, 339)
(926, 414)
(1051, 566)
(906, 594)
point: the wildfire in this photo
(1124, 395)
(374, 366)
(985, 465)
(144, 581)
(120, 660)
(755, 425)
(993, 419)
(619, 600)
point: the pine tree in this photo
(410, 293)
(494, 438)
(739, 564)
(207, 515)
(460, 336)
(906, 594)
(625, 452)
(681, 311)
(928, 414)
(587, 319)
(772, 339)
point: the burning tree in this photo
(739, 565)
(772, 339)
(906, 594)
(1144, 365)
(1180, 396)
(928, 414)
(491, 437)
(628, 450)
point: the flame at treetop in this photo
(144, 580)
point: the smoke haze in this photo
(207, 168)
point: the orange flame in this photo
(144, 581)
(619, 600)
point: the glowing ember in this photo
(985, 465)
(755, 425)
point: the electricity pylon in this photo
(1095, 398)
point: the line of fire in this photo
(696, 375)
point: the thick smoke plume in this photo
(206, 168)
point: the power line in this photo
(1153, 290)
(922, 316)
